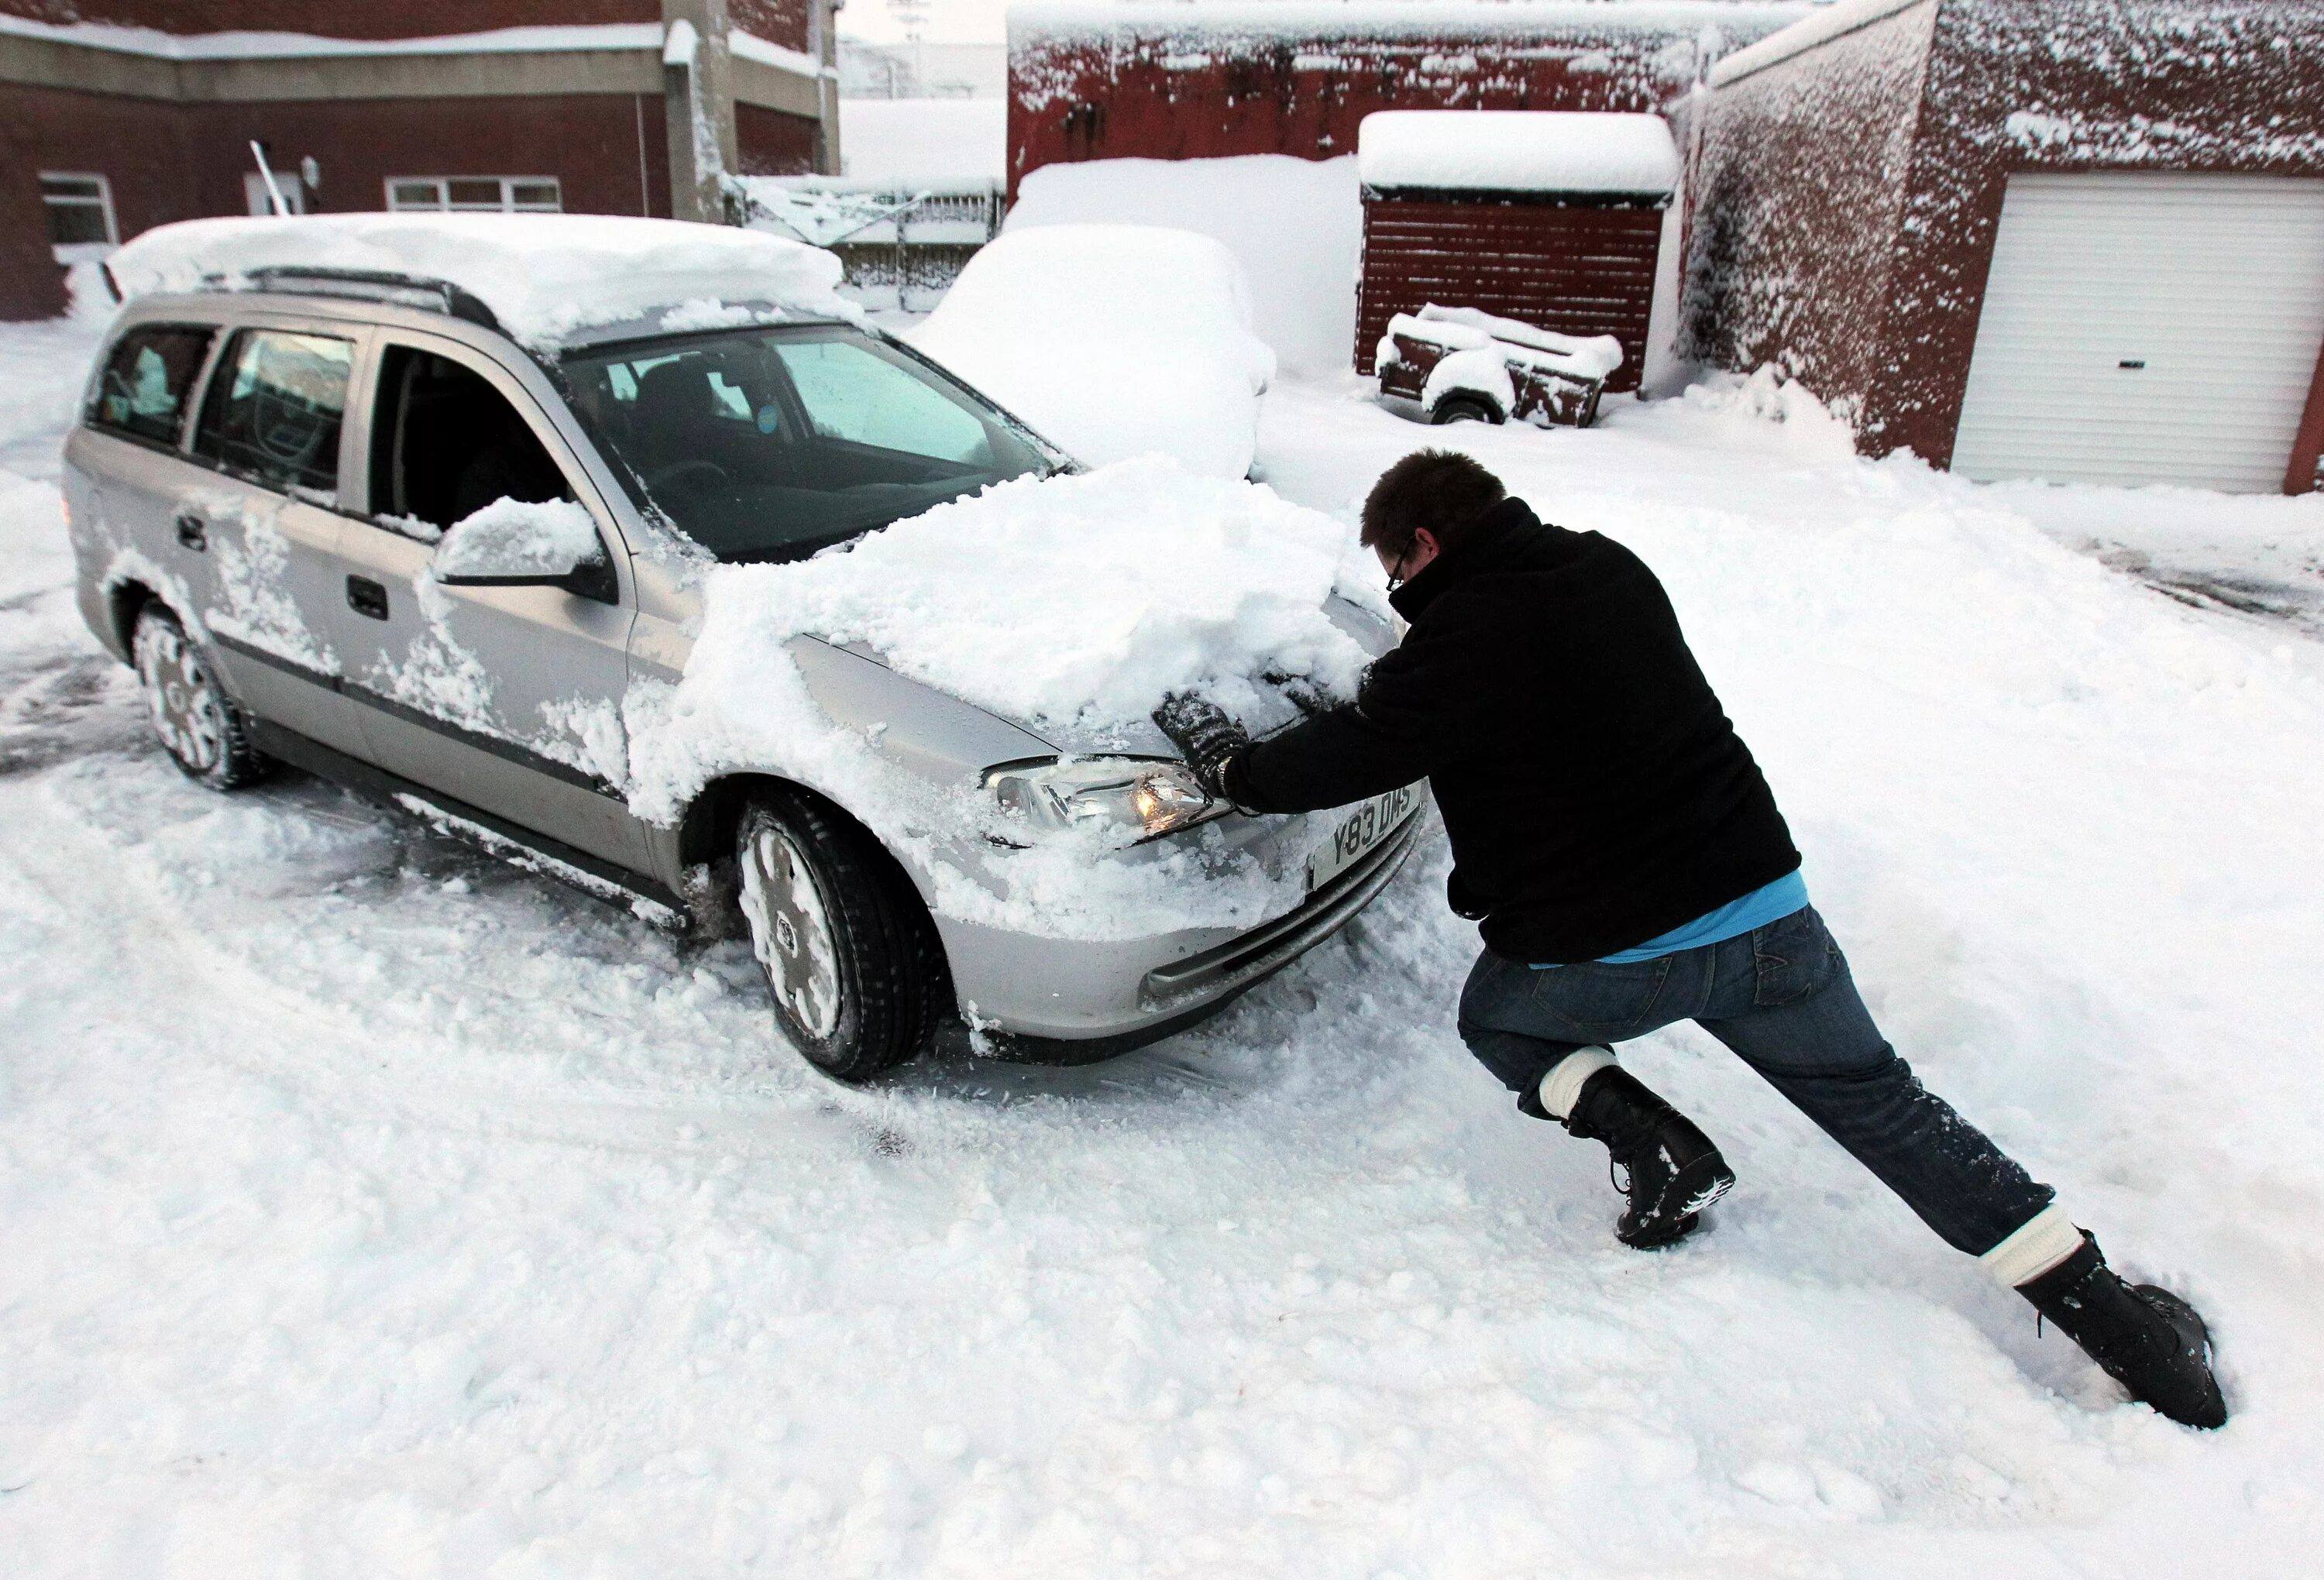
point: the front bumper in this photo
(1066, 1000)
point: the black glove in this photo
(1209, 739)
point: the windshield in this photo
(771, 444)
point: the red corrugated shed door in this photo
(1579, 271)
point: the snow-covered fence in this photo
(903, 244)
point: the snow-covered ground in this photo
(367, 1207)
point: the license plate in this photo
(1358, 831)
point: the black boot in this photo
(1673, 1170)
(2147, 1339)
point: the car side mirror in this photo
(512, 544)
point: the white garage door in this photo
(2147, 329)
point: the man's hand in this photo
(1210, 740)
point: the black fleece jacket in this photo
(1594, 792)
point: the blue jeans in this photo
(1782, 998)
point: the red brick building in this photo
(119, 114)
(1105, 80)
(2081, 239)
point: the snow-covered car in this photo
(626, 550)
(1114, 340)
(1464, 365)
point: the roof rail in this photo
(369, 285)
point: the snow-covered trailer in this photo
(1545, 216)
(1457, 363)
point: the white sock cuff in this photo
(1562, 1086)
(2041, 1243)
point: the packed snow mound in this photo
(1517, 151)
(510, 537)
(1113, 340)
(545, 276)
(1077, 601)
(1294, 224)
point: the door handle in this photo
(192, 534)
(367, 597)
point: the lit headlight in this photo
(1132, 796)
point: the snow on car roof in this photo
(1517, 151)
(546, 277)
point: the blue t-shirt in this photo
(1769, 903)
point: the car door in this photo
(130, 447)
(504, 699)
(270, 446)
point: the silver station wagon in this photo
(259, 489)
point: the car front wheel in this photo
(852, 962)
(199, 726)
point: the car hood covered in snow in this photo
(1114, 340)
(1070, 605)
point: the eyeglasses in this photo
(1396, 576)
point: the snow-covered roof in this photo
(245, 44)
(1391, 18)
(1818, 27)
(544, 276)
(1517, 151)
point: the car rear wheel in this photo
(199, 726)
(1463, 409)
(852, 962)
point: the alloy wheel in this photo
(791, 932)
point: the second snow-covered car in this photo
(521, 524)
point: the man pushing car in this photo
(1627, 865)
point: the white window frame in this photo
(444, 204)
(82, 251)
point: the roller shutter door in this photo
(2147, 328)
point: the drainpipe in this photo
(699, 106)
(824, 45)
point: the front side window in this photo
(275, 407)
(445, 444)
(80, 216)
(770, 444)
(475, 195)
(148, 374)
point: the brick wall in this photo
(779, 21)
(344, 19)
(1186, 91)
(769, 142)
(181, 161)
(1798, 191)
(1847, 199)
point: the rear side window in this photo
(148, 375)
(274, 409)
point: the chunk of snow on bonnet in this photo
(510, 537)
(546, 277)
(1517, 151)
(1076, 601)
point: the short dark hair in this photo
(1441, 490)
